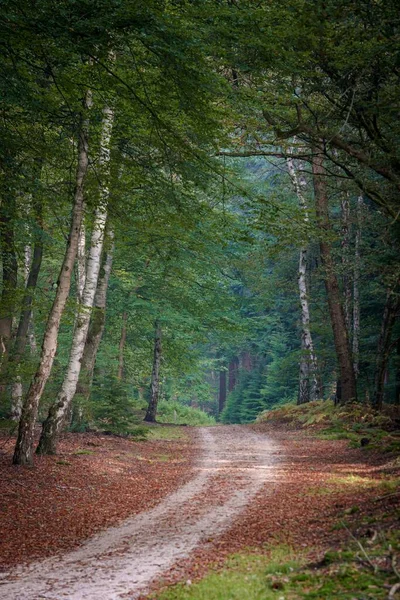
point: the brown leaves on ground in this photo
(95, 481)
(321, 487)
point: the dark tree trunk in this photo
(23, 453)
(390, 311)
(155, 377)
(10, 273)
(397, 389)
(345, 243)
(222, 391)
(25, 319)
(246, 361)
(121, 346)
(336, 312)
(233, 373)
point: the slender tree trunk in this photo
(81, 263)
(345, 243)
(222, 391)
(356, 289)
(233, 373)
(32, 275)
(97, 322)
(155, 377)
(308, 372)
(121, 345)
(397, 389)
(340, 335)
(390, 311)
(52, 426)
(10, 274)
(23, 453)
(124, 329)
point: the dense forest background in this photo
(199, 211)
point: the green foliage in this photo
(179, 414)
(114, 410)
(207, 245)
(352, 422)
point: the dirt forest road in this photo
(122, 561)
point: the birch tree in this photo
(55, 419)
(308, 380)
(356, 288)
(23, 453)
(97, 322)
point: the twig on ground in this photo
(369, 561)
(393, 562)
(393, 590)
(387, 496)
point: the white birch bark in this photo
(356, 289)
(81, 263)
(96, 327)
(308, 381)
(345, 243)
(23, 453)
(55, 420)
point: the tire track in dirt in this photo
(122, 561)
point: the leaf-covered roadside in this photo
(94, 482)
(301, 536)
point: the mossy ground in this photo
(354, 422)
(363, 569)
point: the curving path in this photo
(122, 561)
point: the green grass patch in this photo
(180, 414)
(284, 575)
(83, 452)
(353, 483)
(167, 433)
(245, 576)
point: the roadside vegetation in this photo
(359, 423)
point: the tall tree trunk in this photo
(155, 376)
(81, 263)
(308, 372)
(356, 288)
(124, 328)
(52, 426)
(397, 388)
(32, 273)
(390, 312)
(233, 368)
(97, 322)
(345, 243)
(222, 391)
(340, 334)
(121, 345)
(23, 453)
(10, 274)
